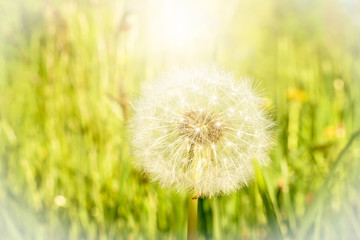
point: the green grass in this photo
(68, 71)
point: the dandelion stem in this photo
(192, 219)
(216, 224)
(193, 204)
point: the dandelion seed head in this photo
(200, 127)
(186, 142)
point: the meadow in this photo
(69, 71)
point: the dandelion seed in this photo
(193, 145)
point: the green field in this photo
(70, 69)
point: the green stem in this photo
(192, 219)
(216, 224)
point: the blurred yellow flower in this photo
(332, 131)
(297, 95)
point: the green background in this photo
(69, 70)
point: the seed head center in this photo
(201, 127)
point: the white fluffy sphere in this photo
(198, 130)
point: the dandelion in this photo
(198, 131)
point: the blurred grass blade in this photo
(269, 206)
(354, 221)
(310, 214)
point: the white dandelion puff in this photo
(198, 130)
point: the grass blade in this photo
(269, 206)
(309, 215)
